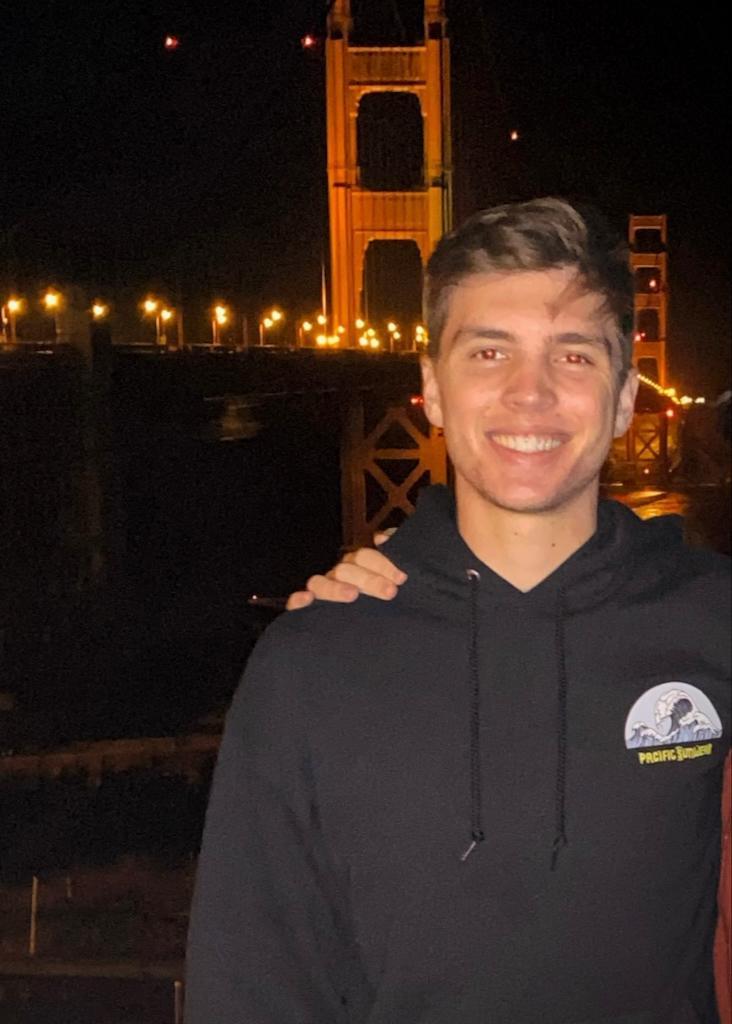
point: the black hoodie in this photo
(474, 805)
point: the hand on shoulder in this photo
(365, 571)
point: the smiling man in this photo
(435, 811)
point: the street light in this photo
(163, 316)
(52, 303)
(275, 316)
(304, 328)
(151, 307)
(10, 311)
(100, 310)
(166, 315)
(219, 319)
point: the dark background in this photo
(201, 171)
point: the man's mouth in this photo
(527, 443)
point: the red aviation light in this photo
(171, 42)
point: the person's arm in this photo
(364, 571)
(268, 940)
(723, 939)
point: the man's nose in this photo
(530, 386)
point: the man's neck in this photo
(525, 548)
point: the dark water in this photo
(85, 1001)
(706, 511)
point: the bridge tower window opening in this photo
(392, 284)
(648, 280)
(390, 142)
(647, 324)
(648, 240)
(648, 367)
(387, 22)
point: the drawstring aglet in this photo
(559, 844)
(478, 837)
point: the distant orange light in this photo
(171, 42)
(416, 400)
(514, 136)
(670, 413)
(308, 42)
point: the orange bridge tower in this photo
(376, 193)
(649, 262)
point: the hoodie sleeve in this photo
(268, 940)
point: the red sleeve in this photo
(723, 941)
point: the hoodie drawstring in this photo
(560, 782)
(477, 834)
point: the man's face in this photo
(525, 387)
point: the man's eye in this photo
(577, 359)
(488, 355)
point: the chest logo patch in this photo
(670, 714)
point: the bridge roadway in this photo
(265, 371)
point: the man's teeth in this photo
(526, 442)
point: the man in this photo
(436, 810)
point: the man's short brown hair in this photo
(542, 234)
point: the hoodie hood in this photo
(429, 544)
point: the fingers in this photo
(364, 571)
(328, 588)
(299, 599)
(373, 562)
(363, 581)
(383, 535)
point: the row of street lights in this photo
(310, 331)
(368, 337)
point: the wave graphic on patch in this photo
(671, 713)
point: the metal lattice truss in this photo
(395, 468)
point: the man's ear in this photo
(626, 402)
(431, 392)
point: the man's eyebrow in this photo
(577, 338)
(485, 333)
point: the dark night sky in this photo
(123, 166)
